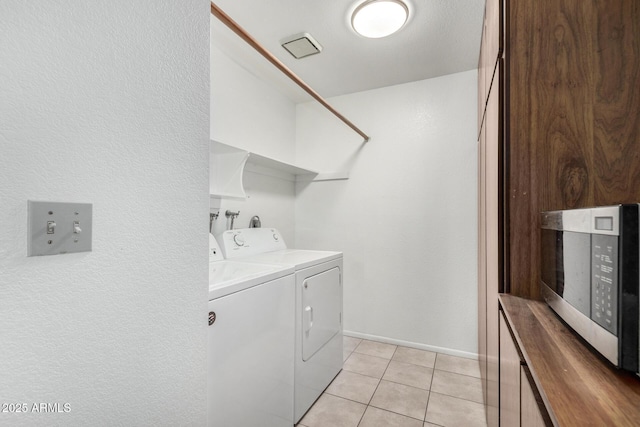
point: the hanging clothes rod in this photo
(233, 26)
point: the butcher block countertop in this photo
(577, 385)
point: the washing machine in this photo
(318, 306)
(250, 376)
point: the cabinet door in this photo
(492, 200)
(482, 266)
(491, 48)
(490, 169)
(482, 77)
(530, 414)
(494, 32)
(481, 101)
(509, 378)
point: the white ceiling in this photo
(441, 37)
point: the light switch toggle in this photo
(76, 227)
(51, 227)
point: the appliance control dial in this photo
(276, 237)
(238, 240)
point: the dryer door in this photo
(321, 310)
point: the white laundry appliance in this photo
(318, 307)
(250, 376)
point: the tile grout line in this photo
(456, 397)
(418, 388)
(435, 361)
(397, 413)
(444, 394)
(407, 385)
(358, 373)
(458, 373)
(379, 381)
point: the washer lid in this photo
(226, 277)
(299, 258)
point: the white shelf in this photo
(268, 162)
(324, 176)
(228, 165)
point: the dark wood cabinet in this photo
(489, 206)
(572, 131)
(482, 263)
(569, 384)
(519, 404)
(558, 128)
(492, 227)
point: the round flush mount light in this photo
(379, 18)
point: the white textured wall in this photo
(406, 217)
(248, 112)
(270, 196)
(251, 114)
(106, 103)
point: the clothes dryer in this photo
(318, 306)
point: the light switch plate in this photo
(58, 228)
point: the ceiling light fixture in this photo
(379, 18)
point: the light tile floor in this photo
(383, 385)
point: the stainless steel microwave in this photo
(590, 277)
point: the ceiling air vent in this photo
(301, 45)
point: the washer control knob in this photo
(276, 237)
(238, 240)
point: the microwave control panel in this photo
(604, 281)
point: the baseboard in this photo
(449, 351)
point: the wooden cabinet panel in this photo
(482, 89)
(577, 386)
(482, 264)
(616, 110)
(491, 49)
(494, 33)
(530, 414)
(566, 85)
(492, 238)
(509, 378)
(573, 128)
(549, 57)
(489, 207)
